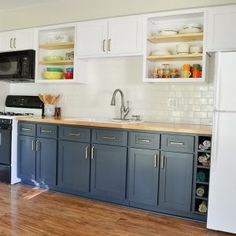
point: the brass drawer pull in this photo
(26, 129)
(46, 131)
(176, 143)
(144, 140)
(109, 137)
(74, 134)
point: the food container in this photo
(49, 110)
(195, 49)
(182, 48)
(68, 75)
(53, 58)
(54, 69)
(53, 75)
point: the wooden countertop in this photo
(148, 126)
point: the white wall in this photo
(181, 103)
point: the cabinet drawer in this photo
(46, 131)
(177, 143)
(27, 129)
(74, 133)
(112, 137)
(144, 140)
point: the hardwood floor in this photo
(24, 211)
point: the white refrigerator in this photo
(222, 190)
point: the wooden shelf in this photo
(196, 56)
(176, 38)
(61, 62)
(174, 80)
(57, 45)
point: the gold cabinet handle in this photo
(144, 140)
(162, 162)
(74, 134)
(103, 45)
(109, 45)
(14, 42)
(156, 160)
(92, 152)
(25, 129)
(11, 43)
(46, 131)
(86, 152)
(37, 148)
(109, 137)
(176, 143)
(33, 145)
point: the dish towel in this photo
(201, 191)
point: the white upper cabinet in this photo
(113, 37)
(221, 30)
(16, 40)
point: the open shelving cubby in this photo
(156, 41)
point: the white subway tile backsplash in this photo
(160, 102)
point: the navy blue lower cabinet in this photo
(143, 176)
(108, 172)
(74, 166)
(27, 158)
(46, 156)
(176, 171)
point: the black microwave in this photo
(17, 66)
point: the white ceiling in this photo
(14, 4)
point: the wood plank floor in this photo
(23, 212)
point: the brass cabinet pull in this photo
(33, 145)
(156, 160)
(176, 143)
(144, 140)
(109, 45)
(46, 131)
(11, 43)
(74, 134)
(37, 148)
(25, 129)
(109, 137)
(162, 162)
(92, 152)
(103, 45)
(14, 42)
(86, 152)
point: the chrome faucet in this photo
(124, 110)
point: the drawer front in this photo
(27, 129)
(144, 140)
(177, 143)
(46, 131)
(74, 133)
(113, 137)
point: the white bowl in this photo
(168, 32)
(190, 30)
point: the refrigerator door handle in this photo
(214, 151)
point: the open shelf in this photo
(195, 56)
(57, 45)
(203, 167)
(61, 62)
(174, 80)
(176, 38)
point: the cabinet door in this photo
(91, 37)
(176, 171)
(108, 172)
(125, 36)
(27, 160)
(46, 161)
(74, 166)
(143, 176)
(221, 34)
(16, 40)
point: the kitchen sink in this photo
(104, 120)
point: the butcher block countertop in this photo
(141, 126)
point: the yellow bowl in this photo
(52, 75)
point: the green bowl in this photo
(55, 69)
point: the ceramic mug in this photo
(185, 73)
(186, 67)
